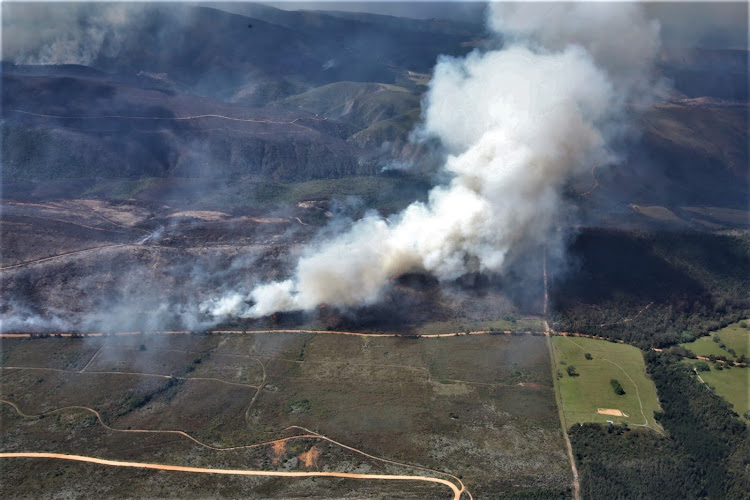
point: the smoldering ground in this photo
(145, 278)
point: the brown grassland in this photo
(480, 408)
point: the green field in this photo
(734, 337)
(661, 214)
(732, 385)
(591, 390)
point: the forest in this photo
(653, 289)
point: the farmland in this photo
(734, 338)
(588, 394)
(731, 384)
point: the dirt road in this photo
(556, 384)
(36, 261)
(250, 332)
(308, 434)
(235, 472)
(177, 118)
(563, 423)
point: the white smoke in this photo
(619, 37)
(20, 318)
(65, 33)
(517, 124)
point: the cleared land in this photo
(586, 394)
(480, 408)
(734, 337)
(732, 385)
(661, 214)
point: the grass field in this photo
(734, 337)
(723, 215)
(733, 385)
(479, 407)
(661, 214)
(583, 395)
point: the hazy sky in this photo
(703, 24)
(713, 24)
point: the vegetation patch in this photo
(297, 406)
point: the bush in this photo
(617, 387)
(587, 355)
(572, 371)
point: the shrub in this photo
(587, 355)
(572, 371)
(617, 387)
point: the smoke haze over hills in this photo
(522, 122)
(517, 122)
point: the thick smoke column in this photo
(517, 124)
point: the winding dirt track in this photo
(139, 374)
(174, 118)
(308, 435)
(235, 472)
(596, 182)
(62, 221)
(150, 431)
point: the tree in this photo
(702, 366)
(617, 387)
(572, 371)
(587, 355)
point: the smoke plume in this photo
(65, 33)
(517, 123)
